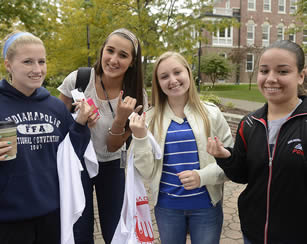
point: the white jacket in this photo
(211, 175)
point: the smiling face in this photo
(278, 76)
(116, 57)
(173, 78)
(27, 67)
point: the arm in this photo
(79, 132)
(118, 133)
(143, 153)
(231, 160)
(212, 174)
(67, 101)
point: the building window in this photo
(250, 33)
(293, 6)
(222, 37)
(249, 62)
(266, 5)
(227, 4)
(265, 35)
(292, 37)
(305, 37)
(251, 5)
(224, 55)
(280, 32)
(281, 6)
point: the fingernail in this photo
(144, 113)
(0, 136)
(5, 156)
(9, 142)
(215, 138)
(121, 92)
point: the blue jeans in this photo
(110, 187)
(246, 241)
(204, 225)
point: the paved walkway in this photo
(231, 233)
(242, 104)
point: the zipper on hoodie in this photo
(266, 226)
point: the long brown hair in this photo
(133, 83)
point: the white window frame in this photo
(249, 3)
(250, 29)
(266, 42)
(280, 32)
(293, 6)
(249, 62)
(282, 3)
(304, 37)
(293, 37)
(218, 40)
(267, 3)
(227, 5)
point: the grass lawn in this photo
(241, 91)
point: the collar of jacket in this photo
(171, 116)
(262, 112)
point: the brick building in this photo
(261, 23)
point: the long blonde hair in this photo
(159, 98)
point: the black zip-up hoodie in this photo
(29, 184)
(273, 206)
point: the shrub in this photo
(211, 98)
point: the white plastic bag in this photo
(135, 226)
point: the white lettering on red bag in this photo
(143, 226)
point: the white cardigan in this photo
(211, 175)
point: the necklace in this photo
(107, 97)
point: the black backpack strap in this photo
(82, 80)
(83, 77)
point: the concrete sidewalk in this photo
(242, 104)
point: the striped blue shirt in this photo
(180, 153)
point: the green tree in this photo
(302, 18)
(25, 13)
(238, 57)
(215, 66)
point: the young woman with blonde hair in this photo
(186, 183)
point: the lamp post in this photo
(88, 45)
(87, 4)
(199, 73)
(199, 58)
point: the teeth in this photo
(272, 89)
(175, 87)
